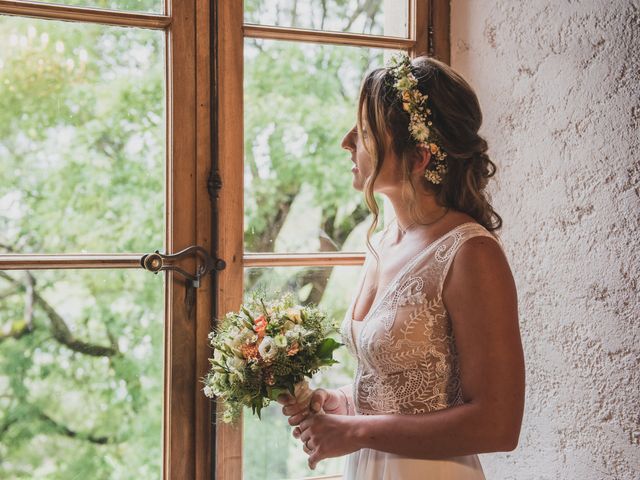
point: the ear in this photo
(422, 159)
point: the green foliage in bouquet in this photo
(265, 349)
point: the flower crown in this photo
(415, 104)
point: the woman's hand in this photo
(330, 401)
(324, 435)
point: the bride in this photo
(434, 321)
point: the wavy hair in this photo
(456, 117)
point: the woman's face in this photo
(389, 176)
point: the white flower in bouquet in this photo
(268, 349)
(280, 340)
(294, 314)
(295, 333)
(236, 364)
(217, 355)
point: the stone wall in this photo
(559, 84)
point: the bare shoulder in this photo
(479, 269)
(481, 251)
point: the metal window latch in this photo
(155, 262)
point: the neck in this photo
(428, 211)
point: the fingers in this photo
(296, 419)
(308, 447)
(291, 406)
(313, 459)
(294, 409)
(308, 444)
(285, 398)
(318, 397)
(304, 424)
(296, 432)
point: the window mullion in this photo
(228, 52)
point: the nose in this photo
(347, 142)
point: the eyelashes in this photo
(365, 134)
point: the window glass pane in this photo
(150, 6)
(373, 17)
(332, 289)
(81, 374)
(82, 137)
(300, 100)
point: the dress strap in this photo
(447, 250)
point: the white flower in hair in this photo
(419, 131)
(414, 103)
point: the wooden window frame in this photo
(187, 25)
(428, 33)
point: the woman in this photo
(434, 326)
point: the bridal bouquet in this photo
(265, 349)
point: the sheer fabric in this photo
(407, 361)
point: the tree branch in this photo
(264, 242)
(59, 328)
(332, 238)
(6, 426)
(294, 14)
(324, 14)
(339, 233)
(66, 431)
(369, 7)
(7, 292)
(29, 300)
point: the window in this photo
(288, 78)
(135, 125)
(99, 359)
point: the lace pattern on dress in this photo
(407, 361)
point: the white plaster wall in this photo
(559, 84)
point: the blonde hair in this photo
(456, 120)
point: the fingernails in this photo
(316, 406)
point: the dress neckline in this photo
(397, 276)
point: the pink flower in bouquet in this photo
(260, 325)
(293, 349)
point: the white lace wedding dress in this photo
(407, 359)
